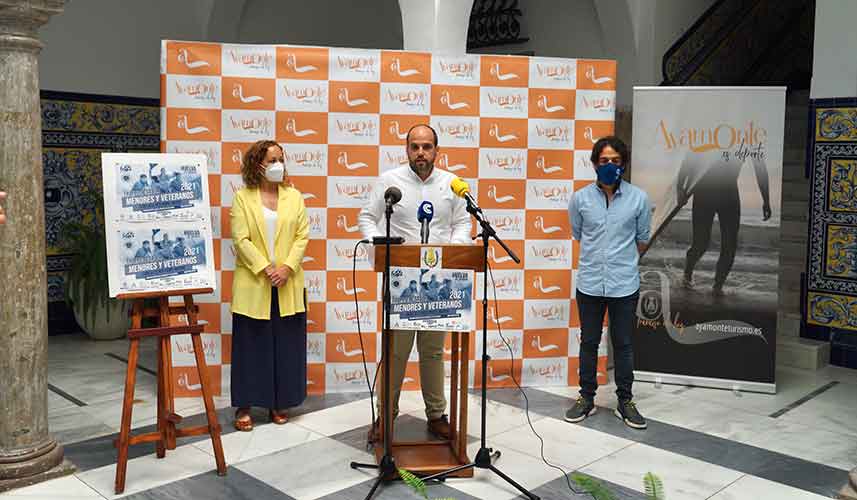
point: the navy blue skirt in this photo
(269, 363)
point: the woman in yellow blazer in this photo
(270, 235)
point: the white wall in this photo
(374, 24)
(834, 66)
(113, 46)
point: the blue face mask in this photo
(609, 173)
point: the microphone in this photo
(461, 189)
(392, 196)
(424, 214)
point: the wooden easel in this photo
(165, 437)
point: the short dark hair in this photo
(614, 142)
(408, 136)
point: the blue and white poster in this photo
(148, 187)
(161, 257)
(431, 298)
(158, 222)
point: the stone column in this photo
(28, 454)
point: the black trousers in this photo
(621, 313)
(269, 360)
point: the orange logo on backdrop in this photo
(302, 63)
(405, 67)
(550, 164)
(574, 370)
(503, 132)
(578, 185)
(315, 375)
(498, 259)
(301, 127)
(552, 284)
(548, 225)
(352, 160)
(463, 162)
(509, 315)
(342, 223)
(447, 347)
(315, 256)
(355, 97)
(249, 93)
(394, 128)
(312, 188)
(499, 373)
(316, 316)
(552, 103)
(341, 288)
(502, 193)
(587, 133)
(193, 58)
(500, 71)
(193, 124)
(455, 100)
(546, 343)
(232, 153)
(575, 253)
(345, 347)
(210, 313)
(226, 285)
(411, 381)
(186, 381)
(593, 74)
(214, 190)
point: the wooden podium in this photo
(432, 457)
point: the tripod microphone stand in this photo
(484, 455)
(387, 469)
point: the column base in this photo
(65, 468)
(849, 491)
(46, 466)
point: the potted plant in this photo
(86, 284)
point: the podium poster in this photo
(518, 129)
(711, 161)
(158, 222)
(431, 298)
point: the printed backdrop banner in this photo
(710, 159)
(519, 130)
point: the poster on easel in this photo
(157, 222)
(711, 161)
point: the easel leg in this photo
(127, 407)
(213, 425)
(167, 356)
(163, 380)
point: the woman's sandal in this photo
(243, 421)
(278, 418)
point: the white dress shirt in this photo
(451, 222)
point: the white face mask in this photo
(275, 172)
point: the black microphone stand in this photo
(484, 455)
(387, 469)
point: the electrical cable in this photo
(523, 393)
(360, 333)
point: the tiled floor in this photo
(702, 443)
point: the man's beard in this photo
(422, 170)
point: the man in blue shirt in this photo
(610, 218)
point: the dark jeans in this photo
(621, 312)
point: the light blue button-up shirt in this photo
(608, 236)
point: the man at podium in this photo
(450, 223)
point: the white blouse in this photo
(270, 229)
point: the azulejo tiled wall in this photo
(832, 257)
